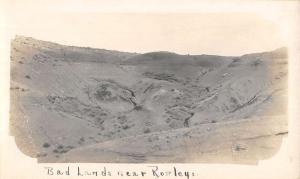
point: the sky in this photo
(224, 33)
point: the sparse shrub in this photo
(41, 155)
(122, 119)
(28, 77)
(236, 59)
(161, 76)
(234, 62)
(234, 100)
(147, 131)
(125, 127)
(99, 121)
(92, 115)
(138, 108)
(103, 94)
(70, 147)
(207, 89)
(46, 145)
(64, 151)
(81, 140)
(256, 63)
(168, 120)
(51, 98)
(103, 114)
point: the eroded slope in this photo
(67, 102)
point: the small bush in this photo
(125, 127)
(256, 63)
(103, 94)
(236, 60)
(147, 131)
(41, 155)
(138, 108)
(70, 147)
(46, 145)
(91, 115)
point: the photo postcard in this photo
(94, 92)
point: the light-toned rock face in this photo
(73, 104)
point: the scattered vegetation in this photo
(103, 94)
(138, 108)
(60, 149)
(69, 147)
(256, 63)
(234, 62)
(146, 131)
(81, 140)
(41, 155)
(161, 76)
(125, 127)
(46, 145)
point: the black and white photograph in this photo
(84, 104)
(149, 89)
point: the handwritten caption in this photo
(148, 171)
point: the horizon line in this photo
(140, 53)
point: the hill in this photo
(79, 104)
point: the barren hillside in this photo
(75, 104)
